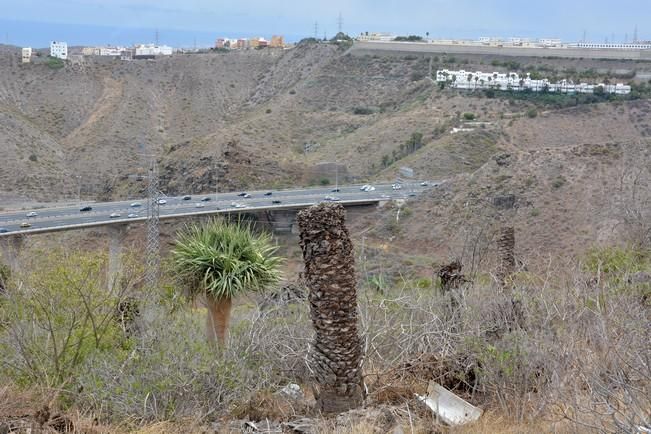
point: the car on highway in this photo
(396, 186)
(25, 225)
(205, 199)
(162, 201)
(332, 198)
(275, 202)
(199, 205)
(187, 197)
(135, 205)
(335, 190)
(242, 194)
(85, 208)
(246, 196)
(367, 188)
(132, 215)
(4, 230)
(114, 215)
(269, 193)
(32, 214)
(424, 184)
(237, 205)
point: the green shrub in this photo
(362, 111)
(33, 157)
(558, 182)
(55, 63)
(59, 315)
(469, 116)
(532, 113)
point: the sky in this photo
(184, 23)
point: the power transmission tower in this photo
(153, 227)
(156, 37)
(340, 23)
(316, 30)
(635, 35)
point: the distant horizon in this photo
(22, 34)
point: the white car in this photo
(370, 188)
(237, 205)
(199, 205)
(132, 215)
(332, 198)
(364, 187)
(396, 186)
(162, 201)
(114, 215)
(32, 214)
(135, 205)
(424, 184)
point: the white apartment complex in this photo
(512, 81)
(27, 54)
(376, 36)
(59, 50)
(152, 50)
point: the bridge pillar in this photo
(283, 221)
(11, 246)
(117, 234)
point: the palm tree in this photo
(336, 355)
(221, 260)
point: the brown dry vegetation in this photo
(577, 359)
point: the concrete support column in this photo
(11, 247)
(117, 234)
(283, 221)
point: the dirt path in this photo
(111, 95)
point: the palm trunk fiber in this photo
(336, 354)
(217, 320)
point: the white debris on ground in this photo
(448, 407)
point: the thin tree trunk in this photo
(217, 320)
(336, 354)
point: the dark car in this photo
(187, 197)
(4, 230)
(86, 208)
(242, 194)
(205, 199)
(336, 190)
(268, 193)
(275, 202)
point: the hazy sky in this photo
(180, 22)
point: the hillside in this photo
(240, 119)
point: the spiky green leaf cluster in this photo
(223, 259)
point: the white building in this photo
(634, 46)
(376, 36)
(550, 42)
(152, 50)
(514, 82)
(27, 54)
(59, 50)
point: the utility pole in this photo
(585, 34)
(153, 228)
(156, 37)
(635, 35)
(78, 189)
(216, 181)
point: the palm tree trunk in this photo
(336, 354)
(217, 320)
